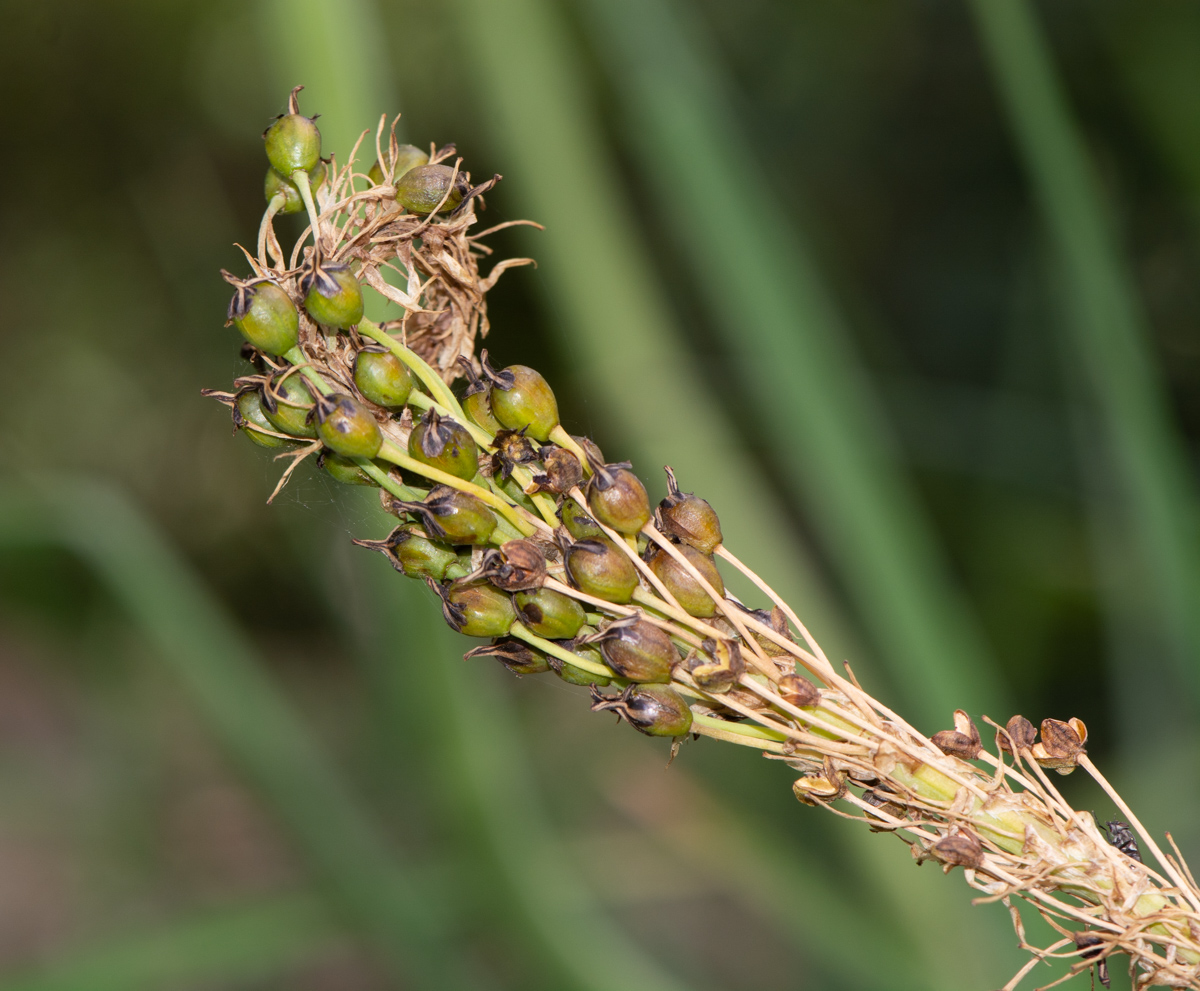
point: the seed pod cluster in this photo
(462, 474)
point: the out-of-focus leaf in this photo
(224, 677)
(1105, 331)
(241, 943)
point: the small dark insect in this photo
(1121, 836)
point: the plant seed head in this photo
(422, 188)
(617, 497)
(264, 314)
(453, 516)
(412, 553)
(286, 403)
(332, 295)
(515, 566)
(636, 650)
(475, 609)
(522, 399)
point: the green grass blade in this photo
(219, 668)
(783, 331)
(1106, 333)
(242, 943)
(616, 323)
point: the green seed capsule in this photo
(550, 614)
(421, 189)
(689, 518)
(343, 470)
(617, 498)
(249, 417)
(332, 295)
(478, 610)
(442, 443)
(637, 650)
(293, 141)
(598, 568)
(287, 404)
(275, 184)
(518, 657)
(265, 315)
(347, 427)
(522, 400)
(453, 516)
(413, 554)
(655, 710)
(579, 525)
(717, 665)
(478, 407)
(382, 377)
(407, 157)
(572, 674)
(682, 585)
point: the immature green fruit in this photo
(265, 315)
(287, 404)
(249, 417)
(475, 609)
(442, 443)
(518, 657)
(689, 518)
(522, 400)
(550, 614)
(382, 377)
(572, 674)
(478, 407)
(716, 666)
(412, 553)
(407, 157)
(275, 184)
(476, 403)
(421, 189)
(637, 650)
(598, 568)
(617, 498)
(343, 470)
(655, 710)
(293, 142)
(579, 525)
(332, 295)
(682, 585)
(453, 516)
(347, 427)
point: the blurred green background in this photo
(908, 291)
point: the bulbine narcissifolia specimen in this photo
(557, 557)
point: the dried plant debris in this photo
(535, 543)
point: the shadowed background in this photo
(907, 291)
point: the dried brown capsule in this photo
(617, 497)
(655, 710)
(515, 655)
(1061, 744)
(716, 666)
(689, 518)
(515, 566)
(579, 525)
(562, 472)
(598, 568)
(798, 691)
(636, 649)
(453, 516)
(680, 583)
(512, 448)
(962, 741)
(550, 614)
(475, 609)
(961, 849)
(1020, 730)
(444, 444)
(412, 553)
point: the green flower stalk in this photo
(533, 541)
